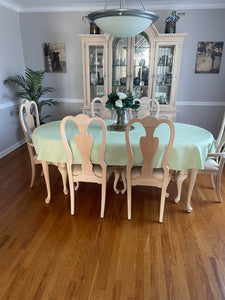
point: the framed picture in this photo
(54, 57)
(208, 57)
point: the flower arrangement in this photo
(121, 101)
(175, 16)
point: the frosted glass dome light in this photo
(123, 22)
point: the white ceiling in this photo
(81, 5)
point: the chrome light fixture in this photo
(123, 22)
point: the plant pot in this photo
(170, 27)
(94, 29)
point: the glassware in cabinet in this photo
(96, 71)
(164, 76)
(119, 64)
(141, 65)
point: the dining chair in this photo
(29, 120)
(148, 107)
(219, 143)
(87, 171)
(214, 163)
(146, 175)
(98, 108)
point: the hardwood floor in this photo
(45, 253)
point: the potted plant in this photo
(31, 89)
(94, 29)
(172, 20)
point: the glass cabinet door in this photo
(164, 73)
(119, 65)
(141, 66)
(96, 71)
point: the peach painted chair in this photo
(29, 120)
(146, 175)
(215, 161)
(86, 171)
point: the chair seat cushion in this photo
(157, 173)
(211, 164)
(77, 169)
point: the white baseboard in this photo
(11, 148)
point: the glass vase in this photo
(121, 120)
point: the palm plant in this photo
(31, 89)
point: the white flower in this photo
(119, 103)
(122, 95)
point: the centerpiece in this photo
(120, 102)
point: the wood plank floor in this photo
(45, 253)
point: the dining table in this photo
(189, 152)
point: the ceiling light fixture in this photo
(123, 22)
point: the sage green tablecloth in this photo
(190, 148)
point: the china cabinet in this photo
(147, 64)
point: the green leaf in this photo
(30, 88)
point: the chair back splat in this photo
(148, 107)
(27, 112)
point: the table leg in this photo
(47, 181)
(116, 179)
(182, 175)
(77, 186)
(120, 172)
(190, 189)
(123, 176)
(63, 171)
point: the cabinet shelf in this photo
(94, 66)
(165, 84)
(138, 66)
(140, 85)
(119, 65)
(165, 65)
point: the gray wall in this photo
(38, 28)
(201, 97)
(59, 27)
(206, 89)
(11, 62)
